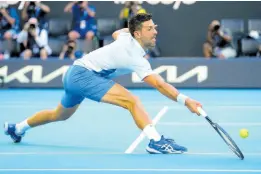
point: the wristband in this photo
(181, 98)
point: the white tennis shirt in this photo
(124, 53)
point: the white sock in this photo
(20, 128)
(151, 132)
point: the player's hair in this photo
(135, 22)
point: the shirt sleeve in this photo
(119, 72)
(141, 67)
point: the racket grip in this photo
(202, 112)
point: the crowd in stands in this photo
(29, 36)
(34, 36)
(227, 39)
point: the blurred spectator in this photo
(84, 24)
(68, 50)
(36, 9)
(218, 42)
(9, 25)
(130, 9)
(33, 41)
(255, 37)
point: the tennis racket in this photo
(223, 134)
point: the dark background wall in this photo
(181, 32)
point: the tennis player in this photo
(90, 77)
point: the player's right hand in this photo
(192, 105)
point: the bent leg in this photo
(120, 96)
(16, 131)
(60, 113)
(69, 104)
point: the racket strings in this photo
(228, 140)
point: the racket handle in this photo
(202, 112)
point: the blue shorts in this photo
(80, 83)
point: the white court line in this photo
(112, 153)
(126, 169)
(206, 124)
(142, 134)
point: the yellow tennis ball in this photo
(243, 133)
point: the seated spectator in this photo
(38, 10)
(84, 24)
(33, 41)
(255, 36)
(9, 25)
(130, 9)
(218, 42)
(68, 50)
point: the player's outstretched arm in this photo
(117, 32)
(171, 92)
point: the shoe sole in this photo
(153, 151)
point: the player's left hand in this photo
(192, 105)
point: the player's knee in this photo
(60, 117)
(132, 102)
(63, 118)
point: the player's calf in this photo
(138, 112)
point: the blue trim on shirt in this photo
(105, 73)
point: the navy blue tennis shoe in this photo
(165, 146)
(9, 129)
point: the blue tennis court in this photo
(95, 138)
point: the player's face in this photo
(148, 34)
